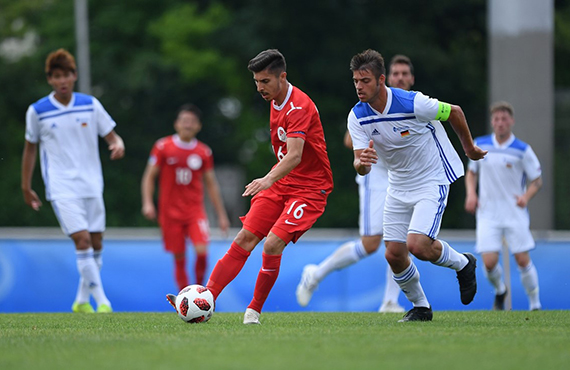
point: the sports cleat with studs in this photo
(82, 308)
(418, 314)
(499, 304)
(307, 286)
(171, 298)
(251, 317)
(467, 279)
(104, 308)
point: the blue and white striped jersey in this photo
(503, 175)
(68, 138)
(406, 135)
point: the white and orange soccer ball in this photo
(195, 304)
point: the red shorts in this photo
(287, 216)
(174, 233)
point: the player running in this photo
(397, 125)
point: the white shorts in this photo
(418, 211)
(490, 237)
(372, 201)
(79, 214)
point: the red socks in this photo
(200, 268)
(227, 268)
(180, 272)
(265, 280)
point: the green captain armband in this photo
(443, 111)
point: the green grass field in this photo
(454, 340)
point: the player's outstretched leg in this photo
(227, 268)
(307, 285)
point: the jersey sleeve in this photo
(298, 121)
(105, 123)
(208, 158)
(359, 137)
(531, 164)
(32, 126)
(156, 157)
(425, 108)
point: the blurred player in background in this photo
(371, 194)
(291, 196)
(398, 124)
(67, 125)
(184, 165)
(501, 207)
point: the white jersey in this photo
(414, 146)
(503, 175)
(68, 138)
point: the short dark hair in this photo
(369, 60)
(270, 59)
(60, 59)
(402, 59)
(189, 107)
(504, 107)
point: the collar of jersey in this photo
(289, 91)
(183, 144)
(55, 102)
(505, 144)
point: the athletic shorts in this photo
(78, 214)
(490, 237)
(418, 211)
(371, 217)
(174, 233)
(287, 216)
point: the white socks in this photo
(450, 257)
(495, 277)
(409, 282)
(346, 255)
(529, 279)
(392, 291)
(90, 278)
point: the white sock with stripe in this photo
(409, 282)
(450, 257)
(345, 255)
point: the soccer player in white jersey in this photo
(501, 206)
(396, 125)
(371, 194)
(67, 125)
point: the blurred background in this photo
(146, 58)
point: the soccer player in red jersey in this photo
(292, 195)
(183, 165)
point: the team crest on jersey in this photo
(281, 134)
(194, 162)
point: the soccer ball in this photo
(195, 304)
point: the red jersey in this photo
(298, 116)
(182, 166)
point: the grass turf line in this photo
(310, 340)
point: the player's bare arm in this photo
(116, 145)
(293, 157)
(461, 128)
(365, 158)
(213, 189)
(28, 165)
(471, 199)
(147, 191)
(531, 190)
